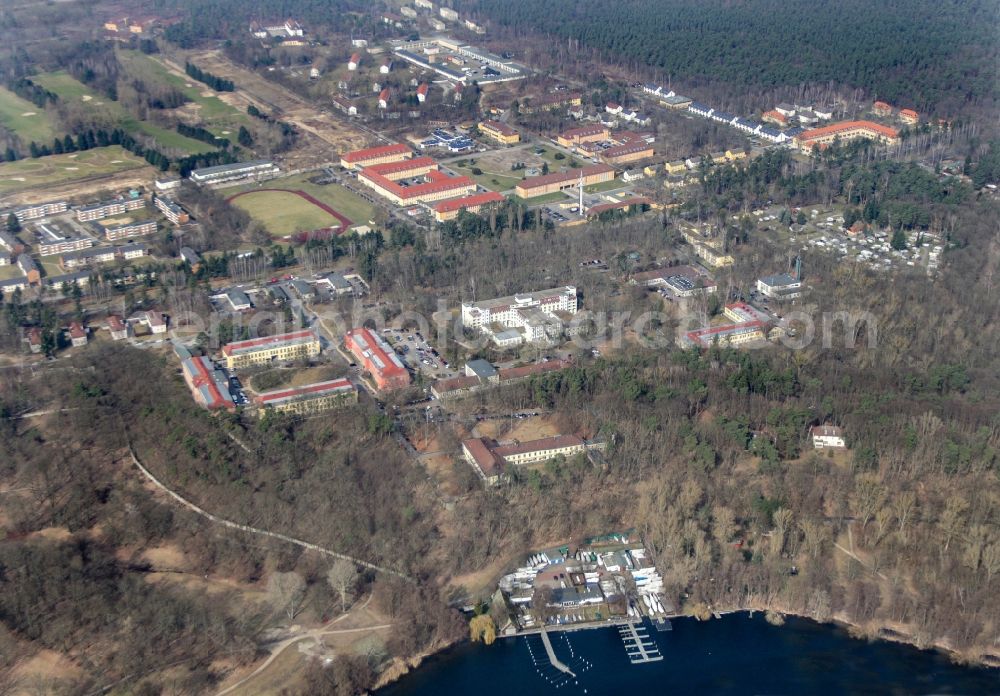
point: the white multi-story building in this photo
(535, 315)
(827, 436)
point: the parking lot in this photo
(418, 354)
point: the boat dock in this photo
(639, 646)
(552, 655)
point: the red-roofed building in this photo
(583, 134)
(449, 210)
(375, 155)
(500, 132)
(533, 186)
(881, 108)
(261, 351)
(77, 334)
(435, 187)
(383, 99)
(909, 117)
(776, 117)
(354, 62)
(613, 108)
(422, 92)
(490, 459)
(209, 386)
(846, 131)
(629, 152)
(154, 319)
(310, 398)
(641, 201)
(116, 327)
(377, 358)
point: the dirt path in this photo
(261, 532)
(305, 634)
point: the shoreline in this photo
(400, 667)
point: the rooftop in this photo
(569, 175)
(468, 201)
(835, 128)
(316, 390)
(375, 152)
(268, 342)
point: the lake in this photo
(734, 655)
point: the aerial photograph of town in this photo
(499, 347)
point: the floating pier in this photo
(552, 655)
(638, 645)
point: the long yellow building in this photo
(311, 398)
(260, 351)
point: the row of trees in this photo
(214, 81)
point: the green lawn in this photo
(567, 161)
(494, 182)
(72, 91)
(56, 169)
(217, 114)
(337, 197)
(284, 213)
(547, 198)
(8, 271)
(605, 186)
(25, 119)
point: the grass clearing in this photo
(488, 179)
(284, 213)
(70, 90)
(605, 186)
(9, 271)
(57, 169)
(337, 197)
(546, 198)
(217, 114)
(30, 122)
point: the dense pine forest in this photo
(931, 56)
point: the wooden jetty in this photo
(552, 655)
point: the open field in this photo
(24, 118)
(283, 212)
(252, 88)
(9, 271)
(205, 105)
(70, 90)
(337, 197)
(492, 180)
(55, 169)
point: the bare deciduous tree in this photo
(342, 576)
(287, 591)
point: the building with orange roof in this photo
(909, 117)
(377, 358)
(881, 108)
(435, 186)
(449, 209)
(209, 386)
(500, 132)
(382, 154)
(846, 131)
(490, 459)
(776, 117)
(422, 91)
(550, 183)
(261, 351)
(309, 398)
(583, 134)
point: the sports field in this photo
(24, 118)
(345, 202)
(284, 212)
(72, 91)
(57, 169)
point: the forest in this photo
(933, 57)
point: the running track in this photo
(344, 221)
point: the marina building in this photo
(294, 345)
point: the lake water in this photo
(735, 655)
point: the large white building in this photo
(781, 286)
(256, 170)
(528, 317)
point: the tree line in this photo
(214, 81)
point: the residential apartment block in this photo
(260, 351)
(39, 210)
(500, 132)
(383, 154)
(97, 255)
(231, 174)
(171, 210)
(51, 240)
(119, 206)
(128, 231)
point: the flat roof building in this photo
(230, 174)
(39, 210)
(377, 358)
(118, 206)
(293, 345)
